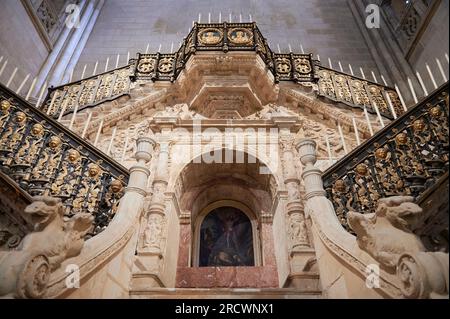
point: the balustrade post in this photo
(312, 176)
(139, 173)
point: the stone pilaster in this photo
(154, 226)
(301, 252)
(297, 228)
(155, 210)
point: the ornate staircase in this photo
(41, 157)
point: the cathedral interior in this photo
(289, 149)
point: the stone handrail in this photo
(121, 229)
(385, 259)
(38, 268)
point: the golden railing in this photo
(44, 158)
(224, 37)
(407, 157)
(357, 92)
(88, 92)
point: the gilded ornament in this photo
(54, 142)
(339, 185)
(5, 105)
(419, 125)
(283, 65)
(374, 90)
(116, 186)
(20, 117)
(381, 153)
(435, 111)
(94, 170)
(240, 36)
(361, 169)
(401, 138)
(210, 36)
(37, 129)
(73, 156)
(146, 65)
(165, 65)
(302, 65)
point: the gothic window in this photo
(226, 239)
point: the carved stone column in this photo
(150, 250)
(156, 219)
(297, 228)
(301, 252)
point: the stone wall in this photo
(433, 44)
(21, 44)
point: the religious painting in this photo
(226, 239)
(240, 36)
(210, 36)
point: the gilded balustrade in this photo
(225, 37)
(88, 92)
(356, 92)
(405, 158)
(44, 158)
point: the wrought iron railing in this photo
(225, 37)
(44, 158)
(88, 92)
(356, 92)
(405, 158)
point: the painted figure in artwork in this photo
(226, 239)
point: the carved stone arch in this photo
(273, 168)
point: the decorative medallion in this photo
(116, 186)
(146, 65)
(165, 65)
(381, 153)
(401, 139)
(361, 169)
(339, 185)
(54, 142)
(283, 65)
(435, 111)
(73, 156)
(302, 65)
(240, 36)
(93, 170)
(419, 125)
(37, 129)
(20, 117)
(210, 36)
(5, 105)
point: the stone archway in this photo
(203, 187)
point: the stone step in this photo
(224, 293)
